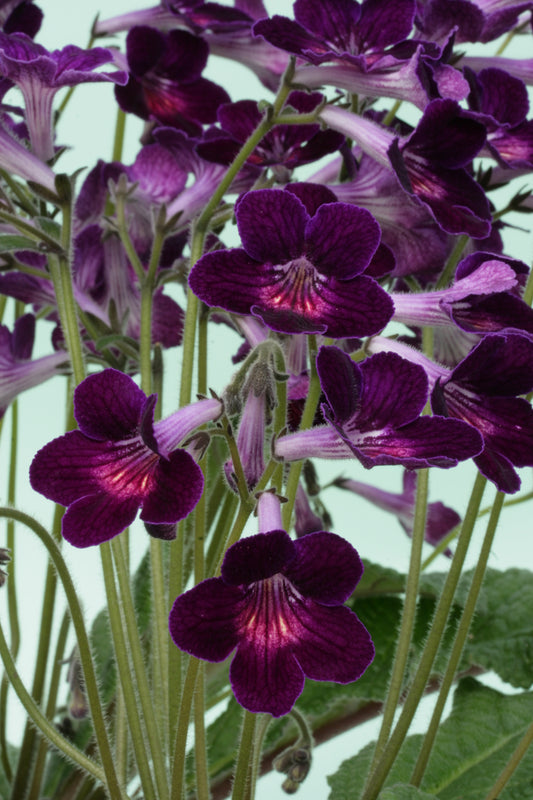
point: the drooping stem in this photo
(108, 775)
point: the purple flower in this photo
(165, 79)
(440, 519)
(119, 461)
(17, 371)
(481, 299)
(407, 227)
(470, 21)
(482, 390)
(431, 163)
(340, 29)
(374, 413)
(39, 74)
(300, 266)
(279, 604)
(16, 158)
(285, 147)
(20, 16)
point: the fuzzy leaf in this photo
(402, 792)
(472, 747)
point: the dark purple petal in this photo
(144, 46)
(239, 119)
(340, 379)
(312, 195)
(446, 136)
(97, 518)
(178, 55)
(229, 279)
(499, 365)
(257, 557)
(177, 485)
(266, 677)
(63, 470)
(498, 469)
(108, 405)
(384, 22)
(23, 337)
(339, 571)
(428, 441)
(337, 646)
(271, 225)
(330, 20)
(25, 18)
(288, 35)
(202, 621)
(177, 104)
(502, 96)
(167, 321)
(339, 309)
(492, 314)
(341, 240)
(394, 392)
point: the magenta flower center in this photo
(296, 284)
(268, 618)
(128, 470)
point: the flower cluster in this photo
(375, 314)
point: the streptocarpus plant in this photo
(268, 283)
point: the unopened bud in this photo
(78, 706)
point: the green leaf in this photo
(102, 647)
(501, 637)
(401, 791)
(11, 242)
(471, 749)
(142, 594)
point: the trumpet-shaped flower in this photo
(300, 266)
(374, 413)
(119, 461)
(280, 604)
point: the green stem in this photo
(120, 129)
(89, 673)
(121, 737)
(151, 716)
(60, 271)
(308, 416)
(244, 759)
(177, 789)
(202, 224)
(382, 769)
(51, 704)
(262, 727)
(459, 643)
(117, 622)
(12, 603)
(200, 740)
(48, 728)
(408, 618)
(453, 260)
(216, 545)
(175, 656)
